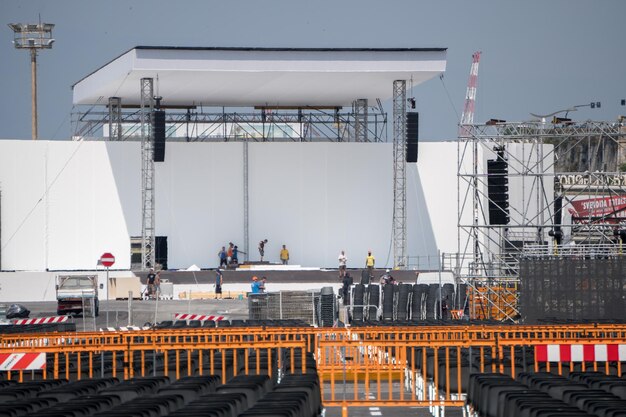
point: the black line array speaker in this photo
(498, 190)
(160, 251)
(557, 232)
(412, 136)
(158, 131)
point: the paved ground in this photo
(115, 313)
(379, 411)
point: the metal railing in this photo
(594, 251)
(369, 366)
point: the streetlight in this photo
(543, 117)
(33, 37)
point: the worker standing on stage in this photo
(229, 253)
(369, 263)
(284, 255)
(343, 260)
(262, 248)
(223, 256)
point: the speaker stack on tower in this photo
(158, 131)
(557, 232)
(498, 189)
(412, 136)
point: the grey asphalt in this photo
(379, 412)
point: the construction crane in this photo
(467, 118)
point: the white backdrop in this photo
(320, 198)
(317, 198)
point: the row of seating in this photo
(37, 328)
(545, 394)
(243, 395)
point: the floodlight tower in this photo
(33, 37)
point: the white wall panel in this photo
(199, 201)
(319, 198)
(86, 217)
(23, 184)
(438, 178)
(421, 243)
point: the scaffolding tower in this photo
(147, 175)
(533, 188)
(399, 174)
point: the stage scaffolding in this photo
(118, 123)
(193, 124)
(566, 187)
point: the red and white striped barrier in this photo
(580, 353)
(42, 320)
(124, 328)
(22, 361)
(201, 317)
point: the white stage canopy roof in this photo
(289, 77)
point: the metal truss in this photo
(399, 174)
(147, 175)
(360, 120)
(115, 118)
(301, 125)
(553, 170)
(246, 204)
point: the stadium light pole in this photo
(33, 37)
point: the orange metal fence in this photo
(383, 366)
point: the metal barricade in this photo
(357, 366)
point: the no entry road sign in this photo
(107, 259)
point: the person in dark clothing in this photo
(218, 284)
(235, 255)
(150, 282)
(262, 248)
(223, 256)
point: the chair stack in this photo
(547, 395)
(297, 394)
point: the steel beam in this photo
(115, 118)
(360, 120)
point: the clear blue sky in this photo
(538, 56)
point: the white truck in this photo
(77, 294)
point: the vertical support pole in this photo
(115, 118)
(147, 175)
(476, 209)
(33, 86)
(440, 286)
(107, 297)
(360, 120)
(246, 230)
(399, 173)
(130, 308)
